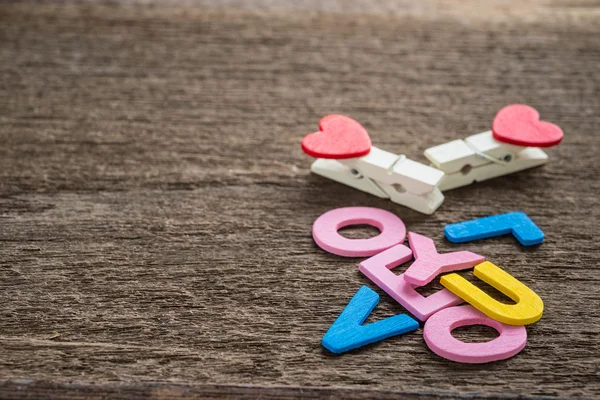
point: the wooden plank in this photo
(155, 205)
(80, 391)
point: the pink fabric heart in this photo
(520, 125)
(339, 137)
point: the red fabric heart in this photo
(339, 137)
(520, 125)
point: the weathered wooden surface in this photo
(155, 206)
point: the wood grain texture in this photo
(155, 206)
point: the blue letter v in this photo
(347, 332)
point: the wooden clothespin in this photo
(512, 145)
(344, 154)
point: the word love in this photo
(441, 311)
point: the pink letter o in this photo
(325, 231)
(438, 336)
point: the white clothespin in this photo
(512, 145)
(378, 172)
(481, 157)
